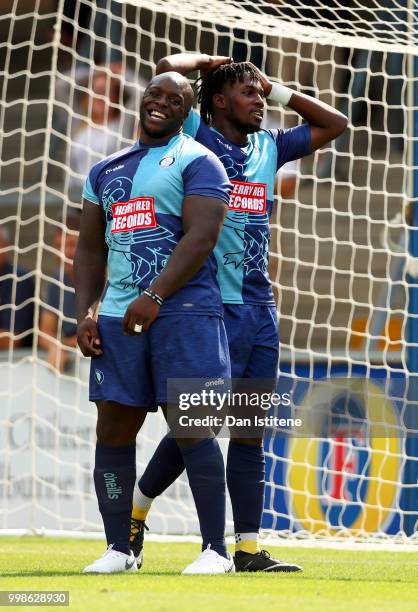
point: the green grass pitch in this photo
(334, 580)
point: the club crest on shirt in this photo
(167, 161)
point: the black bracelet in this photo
(154, 296)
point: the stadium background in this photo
(340, 277)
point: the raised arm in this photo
(202, 223)
(326, 123)
(184, 63)
(89, 276)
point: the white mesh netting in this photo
(72, 75)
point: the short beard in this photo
(246, 128)
(251, 129)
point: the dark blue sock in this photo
(206, 473)
(114, 480)
(245, 475)
(164, 467)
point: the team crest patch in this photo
(167, 161)
(137, 213)
(248, 197)
(99, 376)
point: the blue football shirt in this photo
(141, 191)
(242, 250)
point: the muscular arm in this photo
(90, 260)
(184, 63)
(89, 274)
(326, 123)
(202, 223)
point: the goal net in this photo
(71, 80)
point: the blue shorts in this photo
(253, 340)
(133, 370)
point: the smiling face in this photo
(242, 104)
(165, 105)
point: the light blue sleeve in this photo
(192, 124)
(88, 192)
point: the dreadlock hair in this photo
(214, 81)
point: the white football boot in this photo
(210, 562)
(112, 562)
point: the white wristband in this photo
(280, 93)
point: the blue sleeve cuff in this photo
(292, 144)
(206, 176)
(209, 193)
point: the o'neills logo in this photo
(138, 213)
(248, 197)
(112, 488)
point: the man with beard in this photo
(232, 98)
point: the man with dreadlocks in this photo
(232, 100)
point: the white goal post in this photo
(71, 78)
